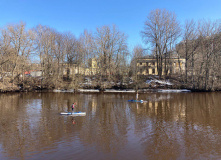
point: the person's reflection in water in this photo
(73, 121)
(137, 105)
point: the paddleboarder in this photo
(137, 96)
(73, 106)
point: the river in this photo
(165, 126)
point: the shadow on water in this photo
(166, 126)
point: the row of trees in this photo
(201, 47)
(53, 50)
(198, 42)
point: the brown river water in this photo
(166, 126)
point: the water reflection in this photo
(184, 125)
(166, 126)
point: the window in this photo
(177, 64)
(147, 71)
(153, 71)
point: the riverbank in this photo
(105, 87)
(122, 91)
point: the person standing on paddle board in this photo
(137, 96)
(73, 106)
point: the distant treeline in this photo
(198, 42)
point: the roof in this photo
(173, 55)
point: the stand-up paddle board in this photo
(73, 113)
(141, 101)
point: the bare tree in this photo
(209, 52)
(111, 49)
(17, 45)
(86, 48)
(201, 48)
(73, 58)
(161, 30)
(138, 52)
(187, 48)
(46, 42)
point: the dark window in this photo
(147, 71)
(153, 71)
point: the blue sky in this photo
(77, 15)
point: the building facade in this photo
(148, 66)
(72, 69)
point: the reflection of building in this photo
(94, 106)
(148, 66)
(172, 109)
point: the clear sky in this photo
(77, 15)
